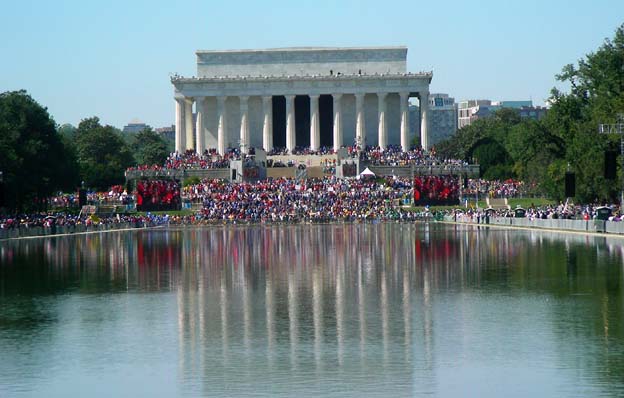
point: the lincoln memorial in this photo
(299, 97)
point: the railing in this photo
(400, 171)
(23, 231)
(612, 227)
(301, 173)
(178, 174)
(416, 170)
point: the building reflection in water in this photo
(353, 305)
(320, 299)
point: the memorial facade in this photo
(299, 98)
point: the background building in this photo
(471, 110)
(533, 112)
(442, 117)
(168, 132)
(135, 126)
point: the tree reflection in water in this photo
(383, 308)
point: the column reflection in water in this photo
(317, 299)
(361, 308)
(385, 283)
(375, 309)
(407, 309)
(340, 321)
(247, 310)
(270, 320)
(384, 316)
(293, 317)
(223, 302)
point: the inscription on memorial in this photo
(294, 55)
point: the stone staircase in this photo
(497, 203)
(87, 210)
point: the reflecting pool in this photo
(313, 310)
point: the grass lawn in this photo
(528, 202)
(514, 202)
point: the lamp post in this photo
(617, 128)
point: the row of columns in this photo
(184, 122)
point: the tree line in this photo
(40, 158)
(567, 139)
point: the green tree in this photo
(533, 149)
(67, 130)
(149, 147)
(102, 154)
(596, 96)
(567, 138)
(35, 160)
(485, 141)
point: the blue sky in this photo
(112, 59)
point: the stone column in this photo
(337, 121)
(267, 123)
(424, 119)
(188, 122)
(290, 123)
(244, 126)
(382, 128)
(405, 144)
(221, 124)
(360, 127)
(315, 126)
(200, 139)
(180, 132)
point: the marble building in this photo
(299, 97)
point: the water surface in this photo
(323, 310)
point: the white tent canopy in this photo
(367, 172)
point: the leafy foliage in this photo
(102, 154)
(149, 147)
(36, 161)
(567, 138)
(191, 181)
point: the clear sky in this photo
(112, 59)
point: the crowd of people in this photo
(436, 190)
(191, 160)
(65, 219)
(498, 189)
(561, 211)
(394, 155)
(329, 166)
(116, 195)
(210, 159)
(313, 200)
(154, 195)
(324, 150)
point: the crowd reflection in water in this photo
(276, 298)
(362, 302)
(359, 304)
